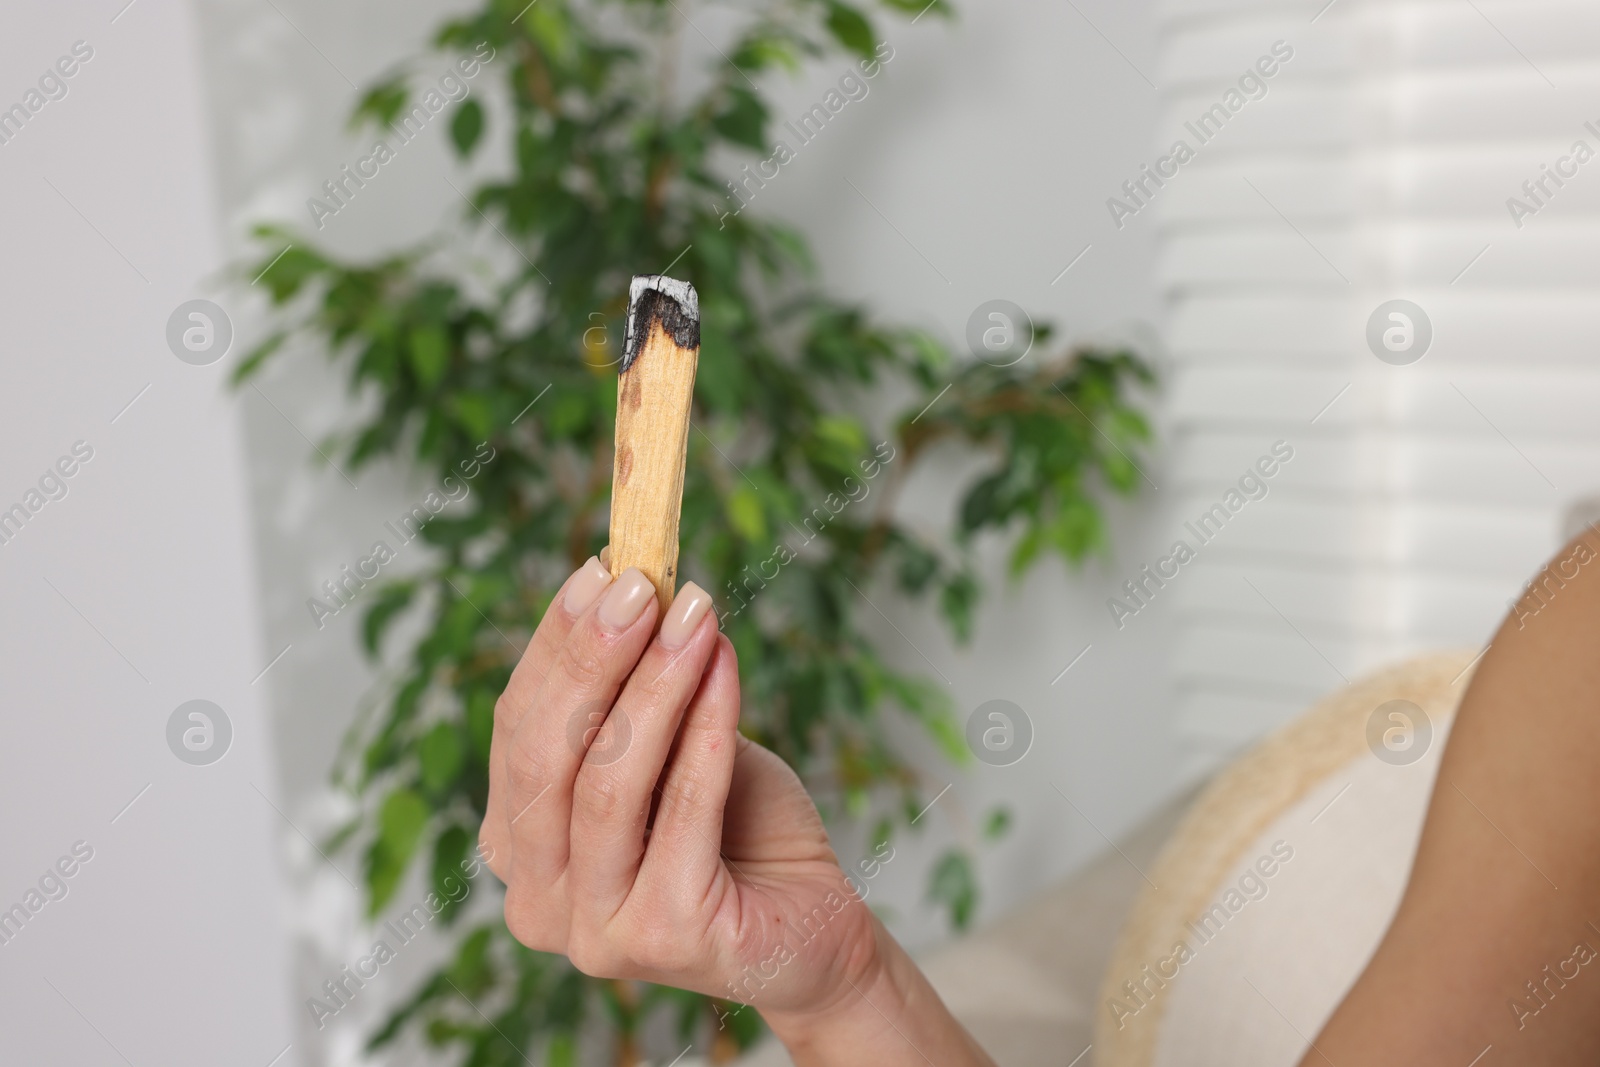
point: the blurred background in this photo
(1398, 152)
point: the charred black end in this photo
(656, 298)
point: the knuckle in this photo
(523, 767)
(492, 857)
(595, 956)
(520, 927)
(654, 690)
(660, 950)
(598, 795)
(583, 663)
(528, 922)
(489, 847)
(506, 713)
(683, 793)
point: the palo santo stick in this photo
(654, 390)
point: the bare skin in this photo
(1506, 881)
(676, 851)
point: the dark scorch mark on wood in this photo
(654, 306)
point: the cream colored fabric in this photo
(1254, 985)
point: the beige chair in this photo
(1094, 965)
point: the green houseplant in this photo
(611, 169)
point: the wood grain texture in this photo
(653, 404)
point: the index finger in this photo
(574, 597)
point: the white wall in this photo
(279, 100)
(134, 593)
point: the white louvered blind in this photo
(1377, 166)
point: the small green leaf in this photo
(842, 434)
(258, 356)
(449, 881)
(760, 51)
(744, 120)
(957, 600)
(997, 824)
(473, 969)
(381, 103)
(918, 566)
(918, 7)
(475, 413)
(565, 1006)
(562, 1051)
(430, 355)
(430, 991)
(745, 514)
(851, 29)
(952, 740)
(953, 884)
(480, 721)
(391, 601)
(1026, 550)
(856, 802)
(467, 127)
(400, 823)
(745, 1023)
(550, 25)
(441, 753)
(286, 271)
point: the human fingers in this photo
(581, 589)
(612, 794)
(549, 745)
(685, 847)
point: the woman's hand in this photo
(639, 834)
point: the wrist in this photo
(873, 971)
(883, 1012)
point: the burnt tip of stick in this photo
(658, 298)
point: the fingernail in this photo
(626, 599)
(605, 556)
(684, 616)
(587, 585)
